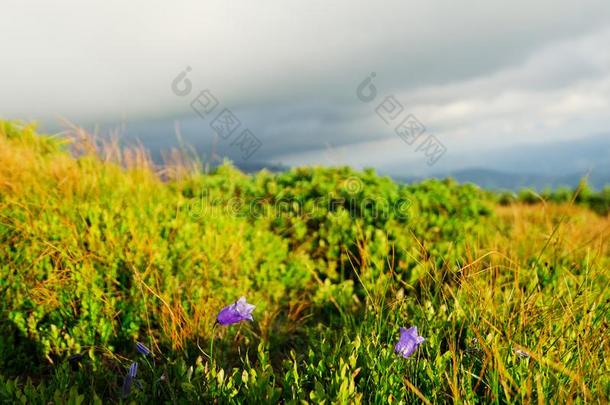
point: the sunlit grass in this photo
(105, 250)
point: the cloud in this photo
(111, 59)
(478, 74)
(560, 92)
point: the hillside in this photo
(496, 180)
(101, 249)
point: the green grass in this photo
(100, 249)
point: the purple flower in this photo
(131, 375)
(75, 358)
(142, 349)
(133, 369)
(126, 386)
(408, 342)
(237, 312)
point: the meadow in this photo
(105, 257)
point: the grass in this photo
(101, 249)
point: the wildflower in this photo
(408, 342)
(131, 375)
(142, 349)
(133, 369)
(126, 387)
(75, 360)
(236, 312)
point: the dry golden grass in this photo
(554, 305)
(109, 248)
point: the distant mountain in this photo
(251, 167)
(498, 180)
(555, 159)
(561, 158)
(537, 165)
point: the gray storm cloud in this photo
(478, 74)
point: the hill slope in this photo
(104, 250)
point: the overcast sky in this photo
(477, 74)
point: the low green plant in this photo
(100, 253)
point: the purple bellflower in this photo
(129, 379)
(236, 312)
(143, 350)
(408, 342)
(133, 369)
